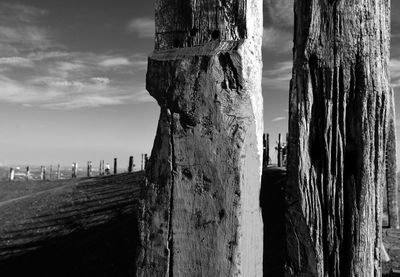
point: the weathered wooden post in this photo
(391, 167)
(279, 151)
(89, 169)
(42, 173)
(201, 214)
(337, 128)
(28, 172)
(51, 171)
(142, 162)
(74, 170)
(131, 165)
(101, 168)
(12, 174)
(58, 172)
(146, 160)
(115, 166)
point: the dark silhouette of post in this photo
(27, 172)
(279, 151)
(12, 174)
(89, 169)
(142, 162)
(74, 170)
(115, 165)
(146, 160)
(42, 173)
(265, 150)
(130, 166)
(58, 172)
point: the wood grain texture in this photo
(338, 120)
(201, 214)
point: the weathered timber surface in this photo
(85, 227)
(201, 213)
(391, 167)
(338, 120)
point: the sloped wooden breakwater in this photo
(82, 228)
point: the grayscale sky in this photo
(72, 78)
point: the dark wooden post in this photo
(27, 172)
(89, 169)
(279, 151)
(12, 174)
(58, 172)
(142, 162)
(42, 173)
(337, 137)
(265, 162)
(74, 170)
(115, 166)
(130, 167)
(267, 150)
(146, 160)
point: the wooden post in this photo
(279, 151)
(391, 167)
(146, 160)
(204, 174)
(51, 172)
(42, 173)
(142, 162)
(130, 167)
(12, 174)
(58, 172)
(338, 103)
(89, 169)
(27, 173)
(265, 162)
(115, 165)
(101, 168)
(74, 170)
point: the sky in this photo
(72, 78)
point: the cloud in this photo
(278, 77)
(16, 61)
(279, 118)
(277, 40)
(144, 27)
(279, 13)
(113, 62)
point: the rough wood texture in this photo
(201, 213)
(338, 117)
(391, 168)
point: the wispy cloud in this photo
(279, 118)
(278, 77)
(16, 61)
(116, 61)
(279, 12)
(277, 40)
(144, 27)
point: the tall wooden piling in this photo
(89, 169)
(28, 172)
(204, 173)
(130, 166)
(74, 170)
(115, 166)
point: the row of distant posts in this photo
(103, 169)
(281, 149)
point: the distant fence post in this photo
(89, 168)
(142, 162)
(101, 168)
(130, 167)
(266, 150)
(115, 165)
(74, 170)
(42, 173)
(51, 172)
(146, 159)
(58, 172)
(27, 172)
(279, 151)
(12, 174)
